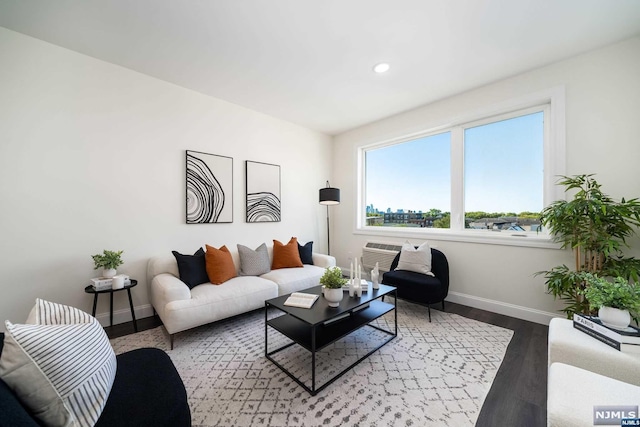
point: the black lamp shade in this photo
(329, 196)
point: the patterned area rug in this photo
(432, 374)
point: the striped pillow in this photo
(62, 367)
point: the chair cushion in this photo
(415, 286)
(415, 259)
(147, 391)
(574, 392)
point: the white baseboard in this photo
(124, 315)
(512, 310)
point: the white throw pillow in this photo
(416, 260)
(62, 367)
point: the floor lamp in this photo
(329, 196)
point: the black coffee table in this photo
(319, 326)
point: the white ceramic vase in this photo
(333, 296)
(108, 272)
(614, 317)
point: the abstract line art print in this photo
(209, 188)
(263, 192)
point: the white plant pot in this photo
(333, 296)
(108, 272)
(614, 317)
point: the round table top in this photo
(91, 290)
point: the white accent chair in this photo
(584, 372)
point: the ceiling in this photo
(310, 61)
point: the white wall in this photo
(603, 137)
(92, 157)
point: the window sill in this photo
(504, 238)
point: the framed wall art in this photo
(209, 188)
(263, 192)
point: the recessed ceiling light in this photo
(381, 68)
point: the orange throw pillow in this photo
(220, 267)
(286, 256)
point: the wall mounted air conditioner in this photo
(382, 253)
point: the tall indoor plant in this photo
(596, 228)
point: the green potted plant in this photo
(616, 300)
(596, 228)
(332, 282)
(109, 261)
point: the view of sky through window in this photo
(503, 165)
(502, 173)
(414, 175)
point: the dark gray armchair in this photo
(421, 288)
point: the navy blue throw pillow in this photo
(192, 268)
(306, 252)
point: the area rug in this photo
(431, 374)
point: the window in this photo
(408, 183)
(491, 172)
(503, 173)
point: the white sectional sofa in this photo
(181, 308)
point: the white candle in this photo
(351, 273)
(357, 269)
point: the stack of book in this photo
(363, 283)
(627, 340)
(102, 283)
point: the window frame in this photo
(551, 102)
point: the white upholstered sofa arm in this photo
(165, 288)
(324, 261)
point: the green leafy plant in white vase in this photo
(109, 261)
(332, 281)
(617, 300)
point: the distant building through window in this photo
(486, 174)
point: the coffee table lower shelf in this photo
(316, 337)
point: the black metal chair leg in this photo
(429, 310)
(442, 305)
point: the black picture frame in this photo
(209, 188)
(263, 192)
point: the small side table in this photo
(90, 290)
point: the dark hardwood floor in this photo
(518, 396)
